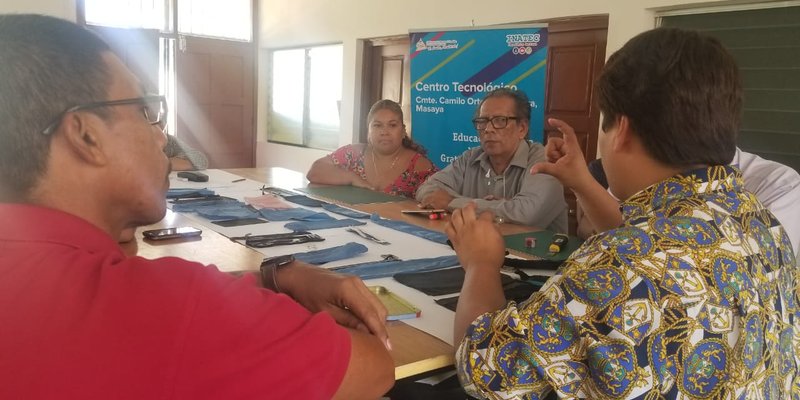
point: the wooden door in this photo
(215, 99)
(574, 60)
(387, 74)
(575, 57)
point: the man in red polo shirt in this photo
(81, 159)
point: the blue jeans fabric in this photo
(381, 269)
(319, 257)
(298, 214)
(218, 208)
(194, 205)
(336, 209)
(317, 225)
(173, 193)
(411, 229)
(215, 213)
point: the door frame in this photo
(371, 74)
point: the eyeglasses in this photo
(498, 122)
(154, 108)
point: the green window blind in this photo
(766, 45)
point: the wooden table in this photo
(414, 351)
(288, 179)
(210, 248)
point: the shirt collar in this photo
(691, 183)
(30, 223)
(520, 158)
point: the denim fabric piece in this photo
(194, 205)
(336, 209)
(304, 201)
(343, 252)
(411, 229)
(174, 193)
(381, 269)
(217, 213)
(297, 214)
(317, 225)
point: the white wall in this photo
(57, 8)
(302, 22)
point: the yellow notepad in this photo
(397, 307)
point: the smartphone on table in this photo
(425, 211)
(172, 233)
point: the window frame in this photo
(172, 40)
(306, 134)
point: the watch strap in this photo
(269, 270)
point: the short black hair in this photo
(46, 65)
(522, 105)
(681, 92)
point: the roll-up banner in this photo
(451, 71)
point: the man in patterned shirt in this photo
(693, 296)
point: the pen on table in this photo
(238, 180)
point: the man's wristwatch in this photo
(269, 269)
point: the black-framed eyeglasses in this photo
(154, 108)
(498, 122)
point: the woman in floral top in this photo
(390, 162)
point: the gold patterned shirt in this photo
(694, 296)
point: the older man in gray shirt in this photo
(495, 176)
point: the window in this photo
(146, 14)
(229, 19)
(766, 45)
(304, 97)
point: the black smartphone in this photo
(172, 233)
(239, 222)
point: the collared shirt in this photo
(535, 200)
(80, 320)
(694, 296)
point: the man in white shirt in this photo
(777, 187)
